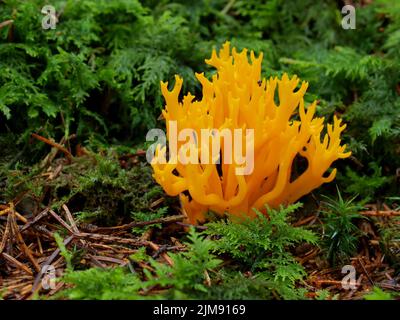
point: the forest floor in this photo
(28, 225)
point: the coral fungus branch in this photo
(238, 98)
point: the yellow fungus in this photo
(238, 98)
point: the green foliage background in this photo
(97, 74)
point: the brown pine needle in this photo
(55, 145)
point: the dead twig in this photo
(365, 271)
(131, 225)
(70, 219)
(21, 243)
(6, 234)
(111, 239)
(163, 254)
(111, 259)
(378, 213)
(35, 219)
(6, 23)
(55, 145)
(304, 221)
(48, 262)
(16, 263)
(61, 221)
